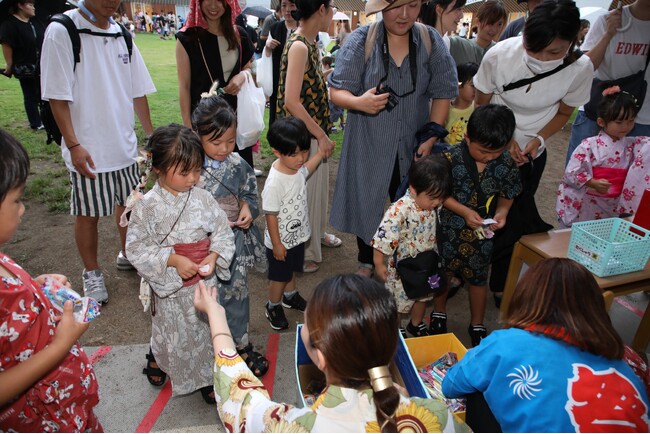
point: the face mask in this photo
(539, 66)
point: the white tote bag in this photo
(265, 74)
(250, 113)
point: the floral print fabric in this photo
(244, 406)
(407, 230)
(61, 401)
(576, 202)
(180, 336)
(230, 182)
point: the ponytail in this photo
(386, 402)
(386, 397)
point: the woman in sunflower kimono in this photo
(360, 395)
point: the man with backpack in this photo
(93, 91)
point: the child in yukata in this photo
(462, 106)
(593, 179)
(287, 218)
(409, 228)
(232, 183)
(47, 383)
(485, 182)
(178, 235)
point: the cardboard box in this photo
(402, 369)
(427, 349)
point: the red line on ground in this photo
(101, 352)
(629, 306)
(272, 355)
(149, 419)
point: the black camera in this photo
(392, 101)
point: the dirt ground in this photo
(44, 243)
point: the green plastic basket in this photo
(609, 246)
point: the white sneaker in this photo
(122, 263)
(94, 286)
(258, 172)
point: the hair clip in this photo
(380, 378)
(611, 90)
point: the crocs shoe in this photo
(94, 286)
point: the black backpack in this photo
(47, 117)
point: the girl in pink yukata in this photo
(638, 177)
(593, 180)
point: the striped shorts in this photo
(98, 197)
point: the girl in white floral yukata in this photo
(232, 183)
(594, 178)
(178, 236)
(350, 333)
(408, 229)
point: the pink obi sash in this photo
(196, 252)
(616, 177)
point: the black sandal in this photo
(205, 393)
(256, 362)
(152, 372)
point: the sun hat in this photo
(374, 6)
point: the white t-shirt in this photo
(533, 107)
(626, 53)
(286, 196)
(100, 90)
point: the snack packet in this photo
(85, 308)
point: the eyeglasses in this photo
(334, 9)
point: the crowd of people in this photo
(450, 130)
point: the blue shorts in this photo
(282, 271)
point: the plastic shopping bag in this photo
(250, 113)
(265, 74)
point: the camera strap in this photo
(385, 56)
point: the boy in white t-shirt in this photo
(284, 201)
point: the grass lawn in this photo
(50, 185)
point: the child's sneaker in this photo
(437, 323)
(276, 317)
(477, 333)
(122, 263)
(295, 302)
(417, 331)
(94, 286)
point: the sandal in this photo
(310, 267)
(151, 372)
(207, 393)
(330, 240)
(257, 363)
(366, 270)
